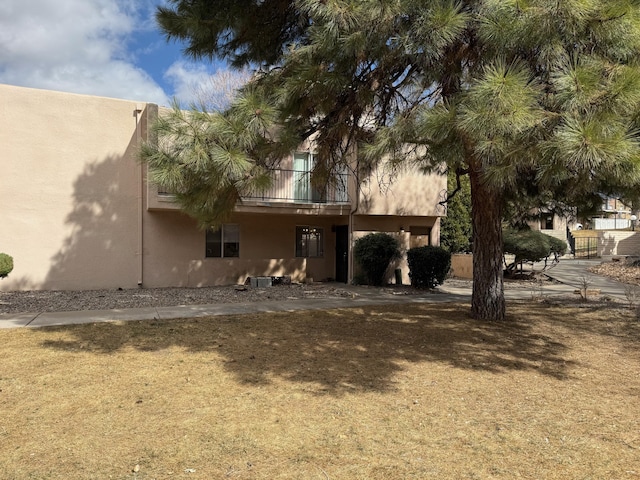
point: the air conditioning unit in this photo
(261, 282)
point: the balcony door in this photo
(303, 164)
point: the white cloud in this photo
(196, 84)
(185, 78)
(75, 45)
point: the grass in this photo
(402, 392)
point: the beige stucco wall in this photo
(407, 193)
(394, 204)
(462, 266)
(68, 187)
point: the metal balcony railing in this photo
(294, 186)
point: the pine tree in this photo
(506, 91)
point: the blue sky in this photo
(110, 48)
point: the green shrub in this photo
(359, 279)
(531, 246)
(6, 264)
(374, 252)
(428, 266)
(558, 247)
(526, 245)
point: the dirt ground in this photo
(402, 392)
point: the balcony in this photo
(294, 186)
(289, 187)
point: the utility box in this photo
(261, 282)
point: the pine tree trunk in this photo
(487, 299)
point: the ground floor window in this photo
(309, 241)
(223, 242)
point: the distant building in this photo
(614, 215)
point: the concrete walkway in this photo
(574, 273)
(568, 272)
(571, 275)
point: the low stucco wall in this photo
(611, 242)
(616, 242)
(462, 266)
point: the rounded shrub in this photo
(558, 247)
(6, 264)
(428, 266)
(526, 245)
(374, 252)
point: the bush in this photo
(526, 245)
(374, 252)
(428, 266)
(558, 247)
(6, 265)
(531, 246)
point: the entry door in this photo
(342, 253)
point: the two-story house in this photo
(77, 213)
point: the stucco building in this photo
(76, 211)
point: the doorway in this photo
(342, 253)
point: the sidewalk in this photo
(568, 272)
(43, 319)
(575, 272)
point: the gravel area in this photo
(61, 301)
(74, 300)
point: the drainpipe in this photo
(140, 174)
(352, 212)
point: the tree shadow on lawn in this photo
(336, 350)
(616, 322)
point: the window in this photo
(224, 242)
(309, 242)
(548, 222)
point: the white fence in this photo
(611, 223)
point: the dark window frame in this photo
(309, 241)
(223, 242)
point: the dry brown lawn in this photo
(402, 392)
